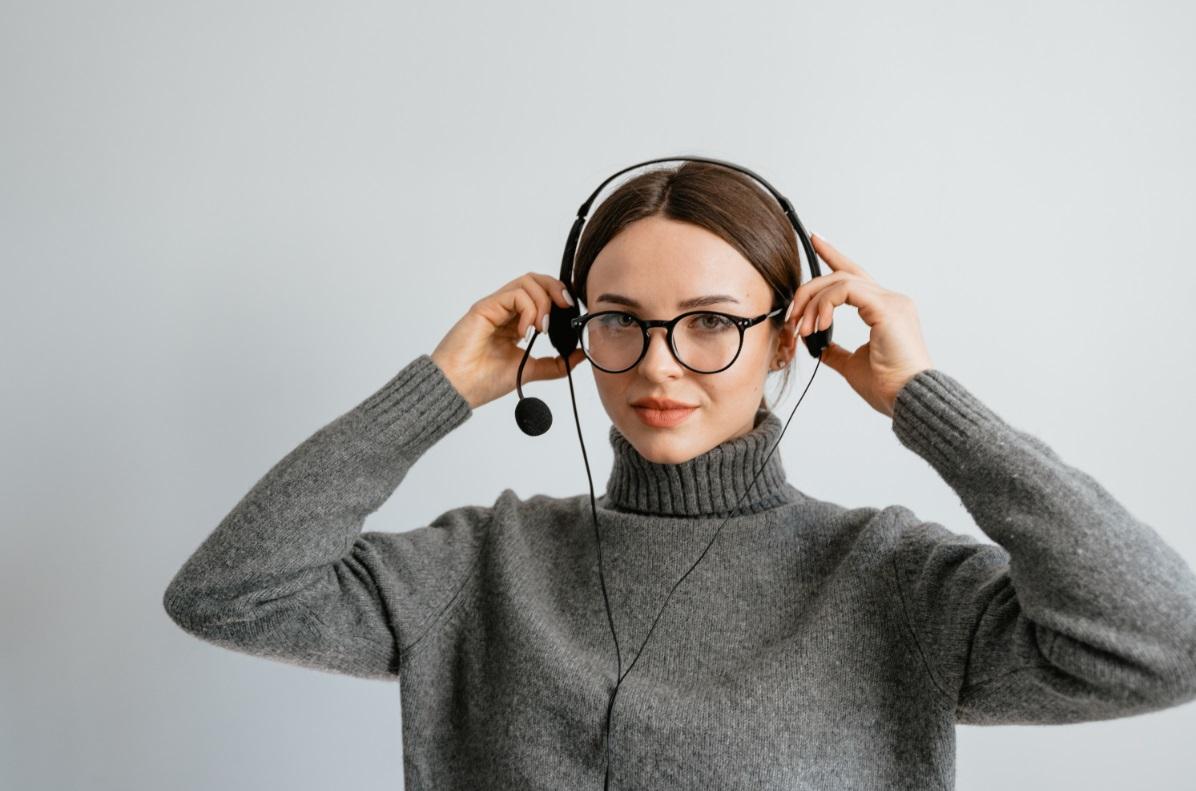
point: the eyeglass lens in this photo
(704, 342)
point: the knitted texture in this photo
(706, 485)
(815, 646)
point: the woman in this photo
(814, 646)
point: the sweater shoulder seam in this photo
(454, 602)
(909, 631)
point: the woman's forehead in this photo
(665, 264)
(658, 239)
(673, 281)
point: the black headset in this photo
(534, 417)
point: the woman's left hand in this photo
(895, 351)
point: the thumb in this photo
(834, 356)
(553, 367)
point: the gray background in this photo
(223, 224)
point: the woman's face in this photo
(659, 263)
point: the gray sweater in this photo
(815, 646)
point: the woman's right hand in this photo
(479, 354)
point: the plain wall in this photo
(223, 224)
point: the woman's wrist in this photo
(456, 380)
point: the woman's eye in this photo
(710, 321)
(620, 321)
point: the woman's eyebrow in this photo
(694, 302)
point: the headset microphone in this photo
(532, 414)
(534, 417)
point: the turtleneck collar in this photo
(707, 485)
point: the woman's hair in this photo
(723, 201)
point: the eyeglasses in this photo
(703, 341)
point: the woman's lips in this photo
(663, 418)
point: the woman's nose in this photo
(659, 357)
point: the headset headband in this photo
(583, 211)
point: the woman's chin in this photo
(660, 446)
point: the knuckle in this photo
(534, 286)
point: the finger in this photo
(539, 297)
(825, 313)
(818, 313)
(835, 258)
(547, 290)
(556, 289)
(866, 297)
(806, 291)
(552, 367)
(576, 358)
(513, 304)
(835, 356)
(809, 315)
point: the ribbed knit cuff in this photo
(937, 417)
(417, 407)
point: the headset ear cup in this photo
(561, 334)
(817, 341)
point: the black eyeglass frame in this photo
(741, 323)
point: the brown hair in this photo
(723, 201)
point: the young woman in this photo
(814, 646)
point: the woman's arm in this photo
(1081, 613)
(288, 574)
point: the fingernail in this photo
(566, 297)
(544, 324)
(527, 336)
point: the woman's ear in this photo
(786, 341)
(786, 349)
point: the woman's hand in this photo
(479, 354)
(895, 351)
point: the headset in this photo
(534, 417)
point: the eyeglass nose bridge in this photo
(666, 325)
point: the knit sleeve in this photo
(1079, 612)
(289, 575)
